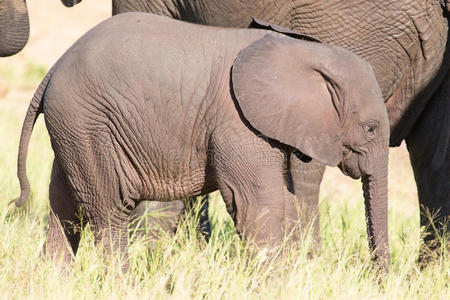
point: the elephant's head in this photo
(325, 102)
(14, 26)
(70, 3)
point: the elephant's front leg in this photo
(255, 187)
(429, 150)
(306, 177)
(260, 215)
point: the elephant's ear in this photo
(260, 24)
(284, 96)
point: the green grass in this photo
(184, 266)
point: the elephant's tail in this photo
(33, 112)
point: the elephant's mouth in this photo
(349, 165)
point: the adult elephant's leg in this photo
(429, 149)
(204, 226)
(306, 178)
(63, 234)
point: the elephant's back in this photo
(141, 49)
(146, 66)
(136, 36)
(149, 60)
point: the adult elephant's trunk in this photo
(70, 3)
(375, 187)
(14, 26)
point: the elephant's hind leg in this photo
(107, 210)
(107, 201)
(111, 232)
(63, 234)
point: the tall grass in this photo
(184, 266)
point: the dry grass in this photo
(185, 267)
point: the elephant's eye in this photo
(370, 129)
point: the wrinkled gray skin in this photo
(406, 44)
(189, 109)
(14, 26)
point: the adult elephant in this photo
(406, 44)
(14, 26)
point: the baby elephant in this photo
(144, 107)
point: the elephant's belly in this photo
(195, 183)
(173, 180)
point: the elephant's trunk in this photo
(375, 187)
(70, 3)
(14, 26)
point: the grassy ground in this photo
(184, 266)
